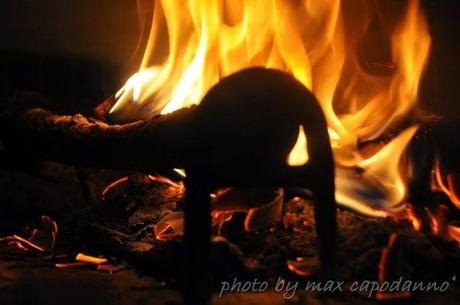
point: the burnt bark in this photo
(38, 134)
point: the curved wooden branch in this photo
(36, 133)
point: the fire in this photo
(454, 233)
(195, 43)
(412, 217)
(447, 188)
(299, 153)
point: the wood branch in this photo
(35, 133)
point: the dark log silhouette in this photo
(36, 133)
(240, 135)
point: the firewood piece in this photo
(37, 133)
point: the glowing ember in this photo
(304, 267)
(262, 207)
(84, 258)
(383, 277)
(388, 296)
(170, 226)
(70, 265)
(435, 221)
(193, 44)
(42, 240)
(113, 185)
(154, 178)
(164, 180)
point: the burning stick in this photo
(83, 258)
(113, 185)
(84, 141)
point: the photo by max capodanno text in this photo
(366, 287)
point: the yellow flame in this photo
(195, 43)
(379, 183)
(299, 153)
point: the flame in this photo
(412, 217)
(448, 188)
(454, 233)
(434, 222)
(299, 153)
(379, 188)
(195, 43)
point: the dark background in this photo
(76, 52)
(80, 51)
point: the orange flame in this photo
(454, 233)
(447, 188)
(412, 217)
(195, 43)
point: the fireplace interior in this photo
(226, 152)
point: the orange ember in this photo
(84, 258)
(41, 240)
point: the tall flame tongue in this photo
(364, 70)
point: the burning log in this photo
(78, 140)
(228, 140)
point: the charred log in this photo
(39, 134)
